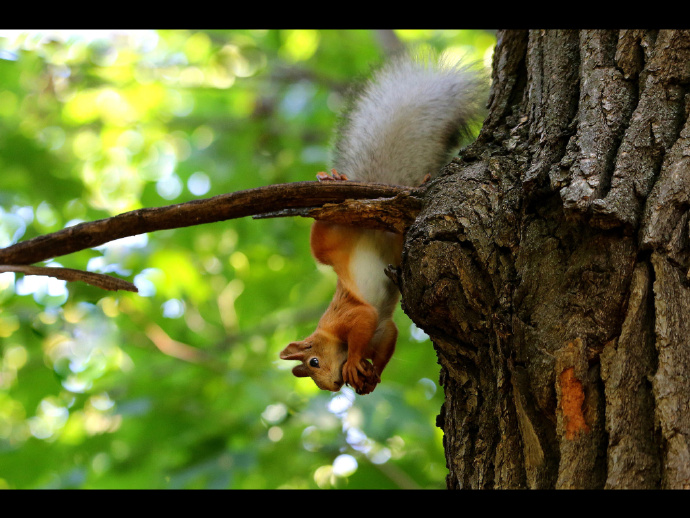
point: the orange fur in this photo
(357, 326)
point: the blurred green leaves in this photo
(180, 386)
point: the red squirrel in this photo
(404, 125)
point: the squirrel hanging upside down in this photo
(405, 125)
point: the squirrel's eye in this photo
(314, 362)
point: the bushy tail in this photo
(407, 121)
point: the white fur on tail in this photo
(407, 121)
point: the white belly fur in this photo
(367, 270)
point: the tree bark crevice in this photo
(655, 126)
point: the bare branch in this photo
(234, 205)
(99, 280)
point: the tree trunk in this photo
(550, 267)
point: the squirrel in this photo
(404, 126)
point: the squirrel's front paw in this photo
(361, 376)
(351, 371)
(368, 386)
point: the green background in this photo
(180, 386)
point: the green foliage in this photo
(180, 386)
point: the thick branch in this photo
(219, 208)
(391, 214)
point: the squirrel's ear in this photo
(300, 371)
(294, 351)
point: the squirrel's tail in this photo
(407, 122)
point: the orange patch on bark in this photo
(572, 398)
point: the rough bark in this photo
(550, 267)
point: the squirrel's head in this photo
(322, 356)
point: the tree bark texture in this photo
(550, 266)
